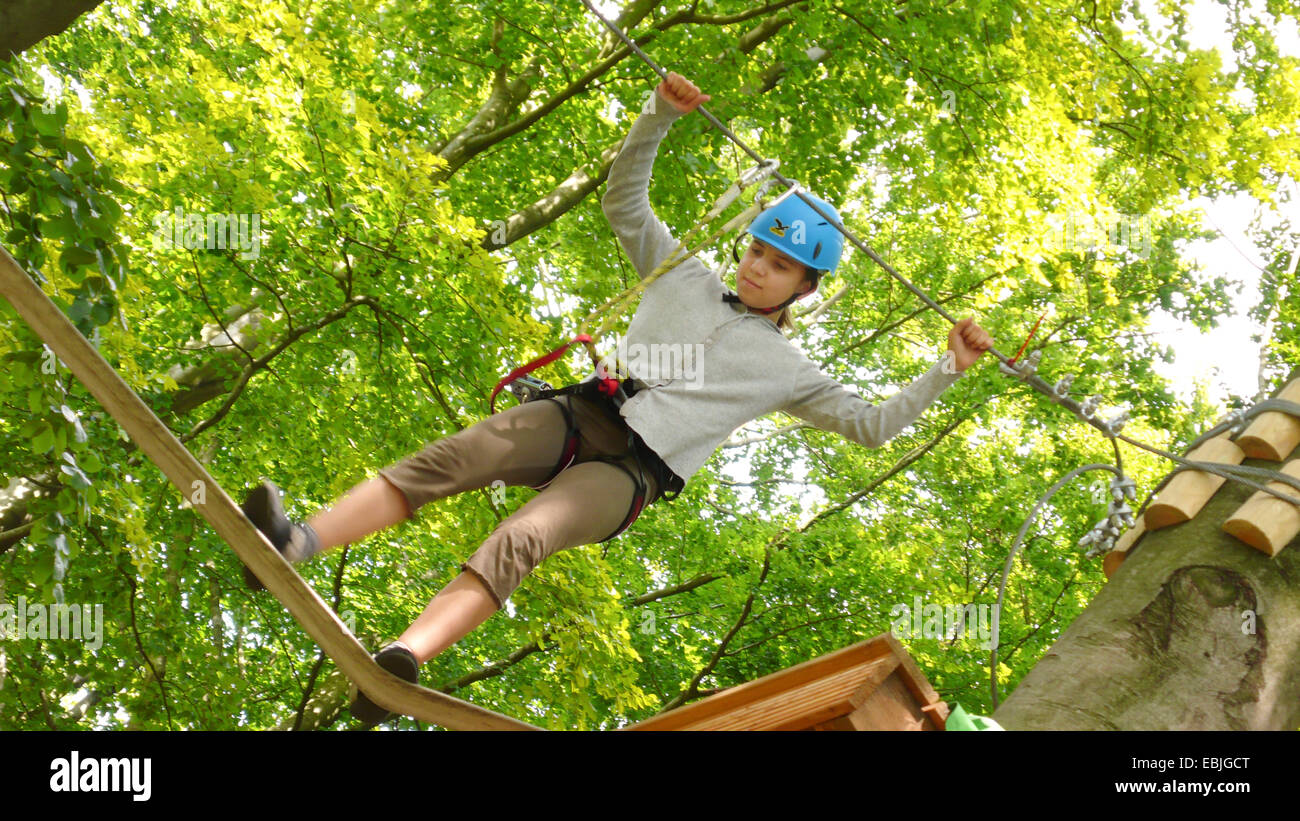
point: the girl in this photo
(598, 460)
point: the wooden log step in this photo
(1189, 490)
(1266, 522)
(1273, 435)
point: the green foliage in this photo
(367, 140)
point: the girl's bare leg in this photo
(450, 616)
(369, 507)
(458, 608)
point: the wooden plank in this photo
(823, 699)
(853, 722)
(180, 466)
(924, 693)
(1119, 553)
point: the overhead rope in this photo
(1024, 370)
(186, 473)
(786, 181)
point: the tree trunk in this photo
(1195, 631)
(24, 23)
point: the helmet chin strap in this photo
(732, 297)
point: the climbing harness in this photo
(667, 483)
(607, 391)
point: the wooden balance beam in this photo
(183, 470)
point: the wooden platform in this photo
(872, 685)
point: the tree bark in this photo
(24, 23)
(1195, 631)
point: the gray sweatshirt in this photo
(704, 367)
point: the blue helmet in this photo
(792, 226)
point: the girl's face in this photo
(768, 277)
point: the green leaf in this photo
(77, 255)
(44, 439)
(90, 462)
(43, 568)
(80, 308)
(20, 183)
(79, 160)
(46, 124)
(67, 501)
(103, 310)
(63, 180)
(60, 227)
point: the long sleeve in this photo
(626, 203)
(831, 406)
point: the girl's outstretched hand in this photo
(968, 341)
(681, 93)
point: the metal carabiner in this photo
(762, 171)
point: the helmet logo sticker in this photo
(778, 227)
(800, 232)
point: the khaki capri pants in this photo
(584, 504)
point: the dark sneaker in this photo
(399, 661)
(263, 508)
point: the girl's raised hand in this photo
(681, 93)
(968, 342)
